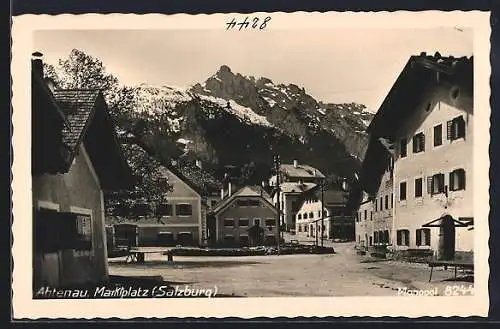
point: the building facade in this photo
(364, 222)
(75, 157)
(246, 218)
(182, 218)
(295, 179)
(433, 163)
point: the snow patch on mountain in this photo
(244, 113)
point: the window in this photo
(244, 239)
(311, 215)
(392, 200)
(55, 231)
(402, 191)
(165, 209)
(243, 222)
(403, 237)
(375, 204)
(229, 239)
(391, 164)
(387, 202)
(386, 237)
(455, 128)
(423, 237)
(457, 180)
(438, 135)
(371, 215)
(375, 237)
(403, 147)
(371, 240)
(83, 239)
(242, 203)
(366, 216)
(319, 213)
(300, 228)
(256, 222)
(270, 222)
(253, 203)
(305, 228)
(381, 203)
(184, 210)
(228, 222)
(418, 187)
(418, 143)
(299, 216)
(305, 215)
(435, 184)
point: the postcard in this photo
(250, 165)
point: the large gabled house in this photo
(246, 218)
(75, 158)
(425, 125)
(181, 219)
(295, 179)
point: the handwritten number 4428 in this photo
(254, 23)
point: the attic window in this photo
(428, 108)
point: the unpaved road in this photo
(341, 274)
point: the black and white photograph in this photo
(232, 158)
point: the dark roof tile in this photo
(78, 106)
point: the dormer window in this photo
(456, 128)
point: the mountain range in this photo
(239, 122)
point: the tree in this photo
(80, 70)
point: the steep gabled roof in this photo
(89, 123)
(295, 187)
(78, 106)
(301, 171)
(335, 197)
(200, 180)
(246, 191)
(419, 73)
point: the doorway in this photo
(446, 239)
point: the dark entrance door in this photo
(446, 239)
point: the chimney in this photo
(314, 172)
(295, 163)
(229, 189)
(37, 63)
(199, 164)
(222, 193)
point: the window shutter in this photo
(398, 236)
(422, 141)
(427, 237)
(452, 181)
(449, 125)
(407, 237)
(461, 126)
(419, 237)
(429, 184)
(415, 144)
(461, 181)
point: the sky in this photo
(333, 65)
